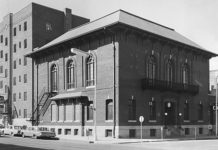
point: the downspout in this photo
(37, 92)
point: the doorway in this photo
(169, 113)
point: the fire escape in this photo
(41, 107)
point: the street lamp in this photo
(216, 104)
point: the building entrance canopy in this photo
(77, 95)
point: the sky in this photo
(195, 19)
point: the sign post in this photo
(141, 120)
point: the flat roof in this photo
(126, 18)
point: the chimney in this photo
(67, 20)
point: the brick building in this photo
(33, 26)
(98, 79)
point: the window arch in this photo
(185, 74)
(170, 71)
(151, 67)
(90, 71)
(54, 79)
(70, 74)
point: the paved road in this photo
(18, 143)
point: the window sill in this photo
(68, 121)
(186, 120)
(92, 86)
(132, 121)
(200, 121)
(152, 121)
(89, 121)
(76, 121)
(108, 120)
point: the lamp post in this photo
(216, 104)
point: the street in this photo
(18, 143)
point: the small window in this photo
(25, 78)
(108, 133)
(19, 44)
(200, 130)
(109, 109)
(152, 132)
(1, 38)
(90, 71)
(19, 78)
(59, 131)
(15, 31)
(14, 81)
(1, 55)
(24, 61)
(187, 131)
(19, 112)
(25, 43)
(25, 113)
(1, 69)
(15, 48)
(19, 27)
(6, 57)
(15, 66)
(67, 132)
(25, 96)
(6, 41)
(76, 131)
(1, 84)
(6, 73)
(19, 61)
(25, 26)
(89, 132)
(132, 133)
(19, 95)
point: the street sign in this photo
(141, 119)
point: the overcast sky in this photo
(195, 19)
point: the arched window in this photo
(151, 68)
(109, 109)
(185, 74)
(90, 73)
(70, 75)
(54, 79)
(170, 71)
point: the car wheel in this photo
(35, 137)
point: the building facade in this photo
(20, 33)
(98, 79)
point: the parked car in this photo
(37, 132)
(1, 129)
(12, 130)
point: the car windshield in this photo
(42, 129)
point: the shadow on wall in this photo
(13, 147)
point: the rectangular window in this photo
(60, 112)
(6, 89)
(14, 97)
(1, 38)
(24, 61)
(200, 131)
(15, 48)
(77, 112)
(15, 66)
(25, 78)
(6, 73)
(132, 109)
(1, 84)
(132, 133)
(19, 44)
(6, 41)
(152, 132)
(90, 111)
(187, 131)
(76, 131)
(14, 80)
(25, 26)
(19, 27)
(19, 95)
(15, 31)
(59, 131)
(19, 78)
(1, 69)
(1, 54)
(19, 61)
(53, 112)
(67, 132)
(108, 133)
(25, 113)
(200, 111)
(68, 112)
(6, 57)
(109, 109)
(25, 96)
(25, 43)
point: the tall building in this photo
(20, 33)
(98, 79)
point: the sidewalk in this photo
(127, 141)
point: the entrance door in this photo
(170, 114)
